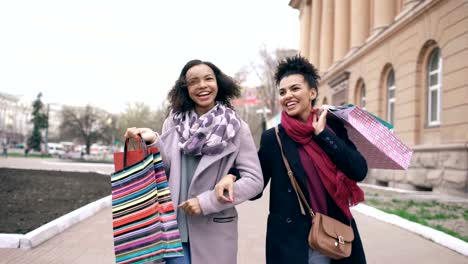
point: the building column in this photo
(314, 51)
(359, 22)
(305, 28)
(341, 30)
(384, 13)
(326, 35)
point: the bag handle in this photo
(294, 183)
(141, 144)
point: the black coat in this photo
(287, 228)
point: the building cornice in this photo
(375, 40)
(442, 147)
(296, 4)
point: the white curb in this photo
(10, 240)
(47, 231)
(437, 236)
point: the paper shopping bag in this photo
(374, 140)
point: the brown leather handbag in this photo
(328, 236)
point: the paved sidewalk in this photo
(55, 164)
(91, 242)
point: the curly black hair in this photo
(179, 99)
(298, 65)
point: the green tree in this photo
(40, 122)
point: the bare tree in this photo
(140, 115)
(265, 72)
(87, 123)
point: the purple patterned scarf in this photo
(208, 134)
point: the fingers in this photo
(183, 205)
(320, 119)
(146, 134)
(191, 207)
(326, 107)
(323, 116)
(132, 132)
(315, 118)
(219, 191)
(231, 193)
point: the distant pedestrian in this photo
(26, 151)
(5, 148)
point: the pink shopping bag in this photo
(379, 146)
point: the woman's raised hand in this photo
(148, 135)
(320, 119)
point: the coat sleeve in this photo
(342, 151)
(159, 144)
(264, 155)
(250, 182)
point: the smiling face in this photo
(202, 87)
(296, 96)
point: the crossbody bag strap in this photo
(294, 183)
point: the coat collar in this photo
(292, 154)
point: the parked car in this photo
(19, 146)
(56, 149)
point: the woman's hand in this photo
(191, 207)
(320, 119)
(148, 135)
(226, 184)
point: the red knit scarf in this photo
(344, 191)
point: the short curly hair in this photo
(298, 65)
(179, 99)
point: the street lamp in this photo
(46, 137)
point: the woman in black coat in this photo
(325, 163)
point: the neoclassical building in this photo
(407, 62)
(15, 116)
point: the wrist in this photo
(232, 177)
(153, 139)
(318, 131)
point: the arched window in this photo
(391, 97)
(362, 96)
(434, 86)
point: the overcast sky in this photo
(108, 53)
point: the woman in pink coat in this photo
(201, 140)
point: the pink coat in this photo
(213, 235)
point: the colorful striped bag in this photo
(143, 217)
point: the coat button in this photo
(327, 138)
(331, 141)
(289, 190)
(288, 220)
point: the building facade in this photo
(15, 116)
(407, 62)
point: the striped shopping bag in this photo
(143, 218)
